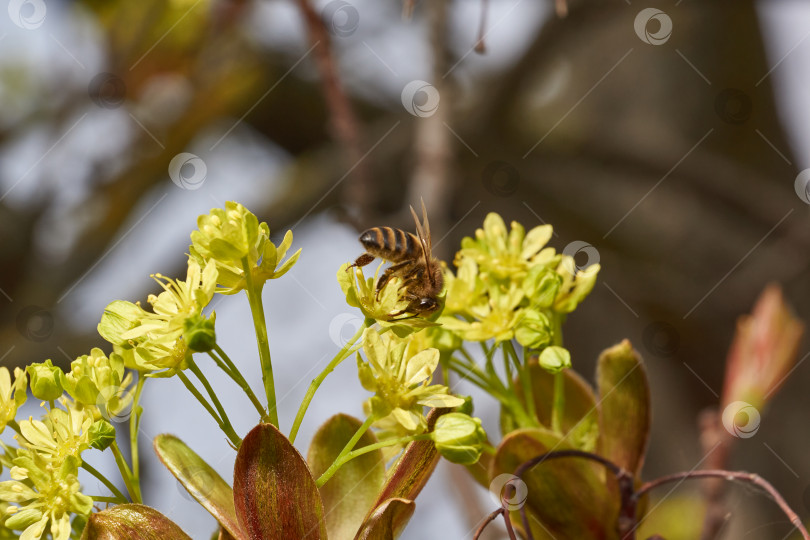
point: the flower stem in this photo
(525, 375)
(134, 424)
(119, 497)
(103, 499)
(366, 449)
(224, 422)
(348, 448)
(230, 369)
(342, 354)
(558, 406)
(254, 295)
(126, 473)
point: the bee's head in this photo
(426, 304)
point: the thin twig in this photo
(490, 519)
(626, 525)
(730, 476)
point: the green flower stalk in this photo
(245, 258)
(12, 395)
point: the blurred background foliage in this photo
(674, 161)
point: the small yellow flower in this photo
(61, 433)
(576, 284)
(98, 381)
(12, 395)
(233, 236)
(495, 318)
(387, 308)
(400, 382)
(156, 340)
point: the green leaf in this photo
(624, 411)
(568, 496)
(274, 492)
(200, 479)
(134, 522)
(387, 521)
(349, 495)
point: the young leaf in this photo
(274, 492)
(568, 496)
(387, 521)
(134, 522)
(624, 410)
(202, 482)
(413, 469)
(349, 494)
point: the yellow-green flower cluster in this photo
(44, 488)
(510, 285)
(234, 240)
(400, 375)
(162, 339)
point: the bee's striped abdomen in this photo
(391, 244)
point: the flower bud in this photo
(46, 380)
(101, 435)
(555, 359)
(199, 333)
(533, 331)
(459, 438)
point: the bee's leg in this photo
(362, 260)
(389, 273)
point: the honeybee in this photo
(413, 262)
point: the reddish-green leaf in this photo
(414, 467)
(200, 479)
(624, 410)
(134, 522)
(387, 521)
(568, 496)
(347, 496)
(274, 492)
